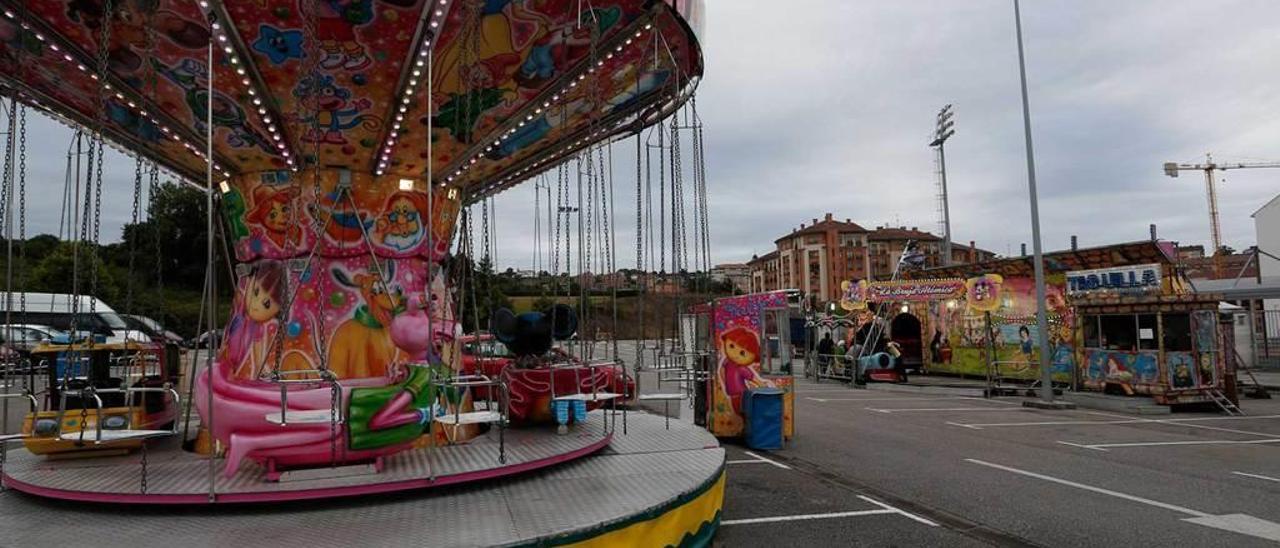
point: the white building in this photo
(1266, 222)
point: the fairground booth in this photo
(1121, 319)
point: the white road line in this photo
(1165, 443)
(1117, 494)
(948, 409)
(898, 511)
(762, 459)
(1081, 446)
(879, 399)
(962, 425)
(800, 517)
(1045, 423)
(1259, 476)
(1236, 523)
(748, 461)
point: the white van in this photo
(55, 310)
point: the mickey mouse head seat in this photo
(531, 334)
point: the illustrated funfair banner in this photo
(737, 331)
(857, 295)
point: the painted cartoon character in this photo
(328, 110)
(1024, 344)
(741, 349)
(273, 211)
(1182, 376)
(129, 22)
(361, 346)
(342, 224)
(1205, 361)
(552, 52)
(335, 29)
(401, 226)
(462, 110)
(251, 333)
(189, 75)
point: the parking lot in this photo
(874, 467)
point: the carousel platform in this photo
(651, 485)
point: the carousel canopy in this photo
(515, 86)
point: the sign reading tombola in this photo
(1142, 278)
(857, 295)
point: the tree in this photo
(57, 273)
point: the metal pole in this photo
(1042, 327)
(946, 208)
(213, 314)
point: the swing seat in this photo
(598, 396)
(109, 436)
(661, 397)
(310, 416)
(473, 417)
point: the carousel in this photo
(344, 148)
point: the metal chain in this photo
(153, 216)
(334, 396)
(133, 248)
(104, 46)
(22, 216)
(142, 482)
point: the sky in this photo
(819, 106)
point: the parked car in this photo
(152, 329)
(24, 337)
(60, 310)
(208, 339)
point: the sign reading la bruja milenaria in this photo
(1143, 278)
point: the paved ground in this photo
(993, 472)
(877, 468)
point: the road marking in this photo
(1236, 523)
(947, 409)
(762, 459)
(1165, 443)
(898, 511)
(1081, 446)
(800, 517)
(1176, 422)
(962, 425)
(1100, 490)
(879, 399)
(1259, 476)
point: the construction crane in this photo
(1208, 167)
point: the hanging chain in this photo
(157, 233)
(133, 249)
(104, 46)
(22, 214)
(142, 481)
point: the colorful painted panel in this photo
(281, 214)
(736, 329)
(958, 337)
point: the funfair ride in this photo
(339, 140)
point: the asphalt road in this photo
(993, 472)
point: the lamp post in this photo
(943, 131)
(1042, 324)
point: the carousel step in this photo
(310, 416)
(109, 436)
(598, 396)
(473, 417)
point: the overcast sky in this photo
(818, 106)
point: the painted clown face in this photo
(401, 225)
(738, 354)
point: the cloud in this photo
(816, 106)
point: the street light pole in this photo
(1042, 327)
(942, 132)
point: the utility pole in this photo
(943, 131)
(1042, 323)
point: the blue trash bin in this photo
(762, 415)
